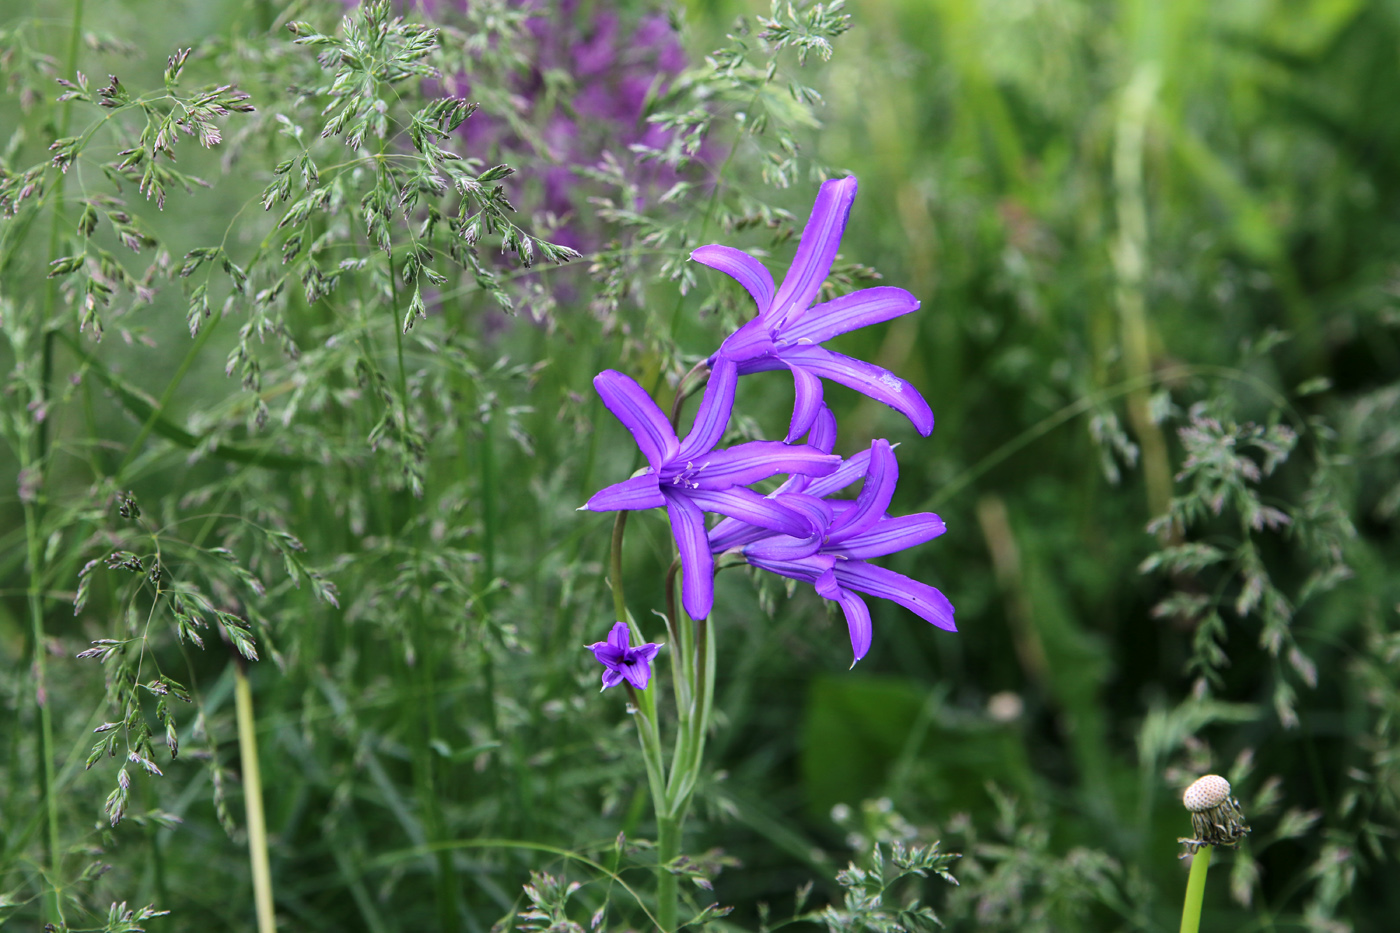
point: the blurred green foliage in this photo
(1157, 248)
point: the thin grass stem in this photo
(253, 800)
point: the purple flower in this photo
(614, 66)
(788, 330)
(623, 662)
(690, 477)
(850, 533)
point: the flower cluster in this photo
(614, 67)
(798, 531)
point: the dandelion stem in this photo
(1195, 890)
(253, 800)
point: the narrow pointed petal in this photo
(632, 406)
(807, 405)
(639, 492)
(637, 675)
(611, 678)
(742, 268)
(787, 547)
(850, 312)
(823, 436)
(607, 653)
(646, 652)
(731, 533)
(697, 564)
(847, 473)
(749, 344)
(890, 535)
(756, 460)
(919, 598)
(620, 637)
(748, 506)
(874, 500)
(713, 415)
(857, 613)
(808, 569)
(866, 378)
(821, 238)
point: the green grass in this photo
(1155, 244)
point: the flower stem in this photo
(253, 801)
(1195, 890)
(668, 847)
(615, 573)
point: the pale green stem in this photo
(253, 801)
(54, 907)
(1130, 263)
(1195, 890)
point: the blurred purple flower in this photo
(614, 66)
(788, 330)
(621, 660)
(848, 533)
(690, 477)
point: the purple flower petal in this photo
(697, 564)
(638, 414)
(850, 312)
(747, 345)
(637, 674)
(808, 404)
(890, 535)
(748, 506)
(742, 268)
(612, 677)
(787, 547)
(847, 473)
(823, 436)
(639, 492)
(866, 378)
(712, 417)
(607, 653)
(821, 238)
(857, 613)
(807, 569)
(756, 460)
(874, 499)
(620, 637)
(919, 598)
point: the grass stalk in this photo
(47, 782)
(253, 800)
(1195, 890)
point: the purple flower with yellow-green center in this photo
(789, 329)
(623, 662)
(691, 477)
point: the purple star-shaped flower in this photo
(788, 330)
(850, 533)
(689, 477)
(621, 660)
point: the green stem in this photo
(668, 847)
(253, 800)
(47, 784)
(1195, 890)
(615, 570)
